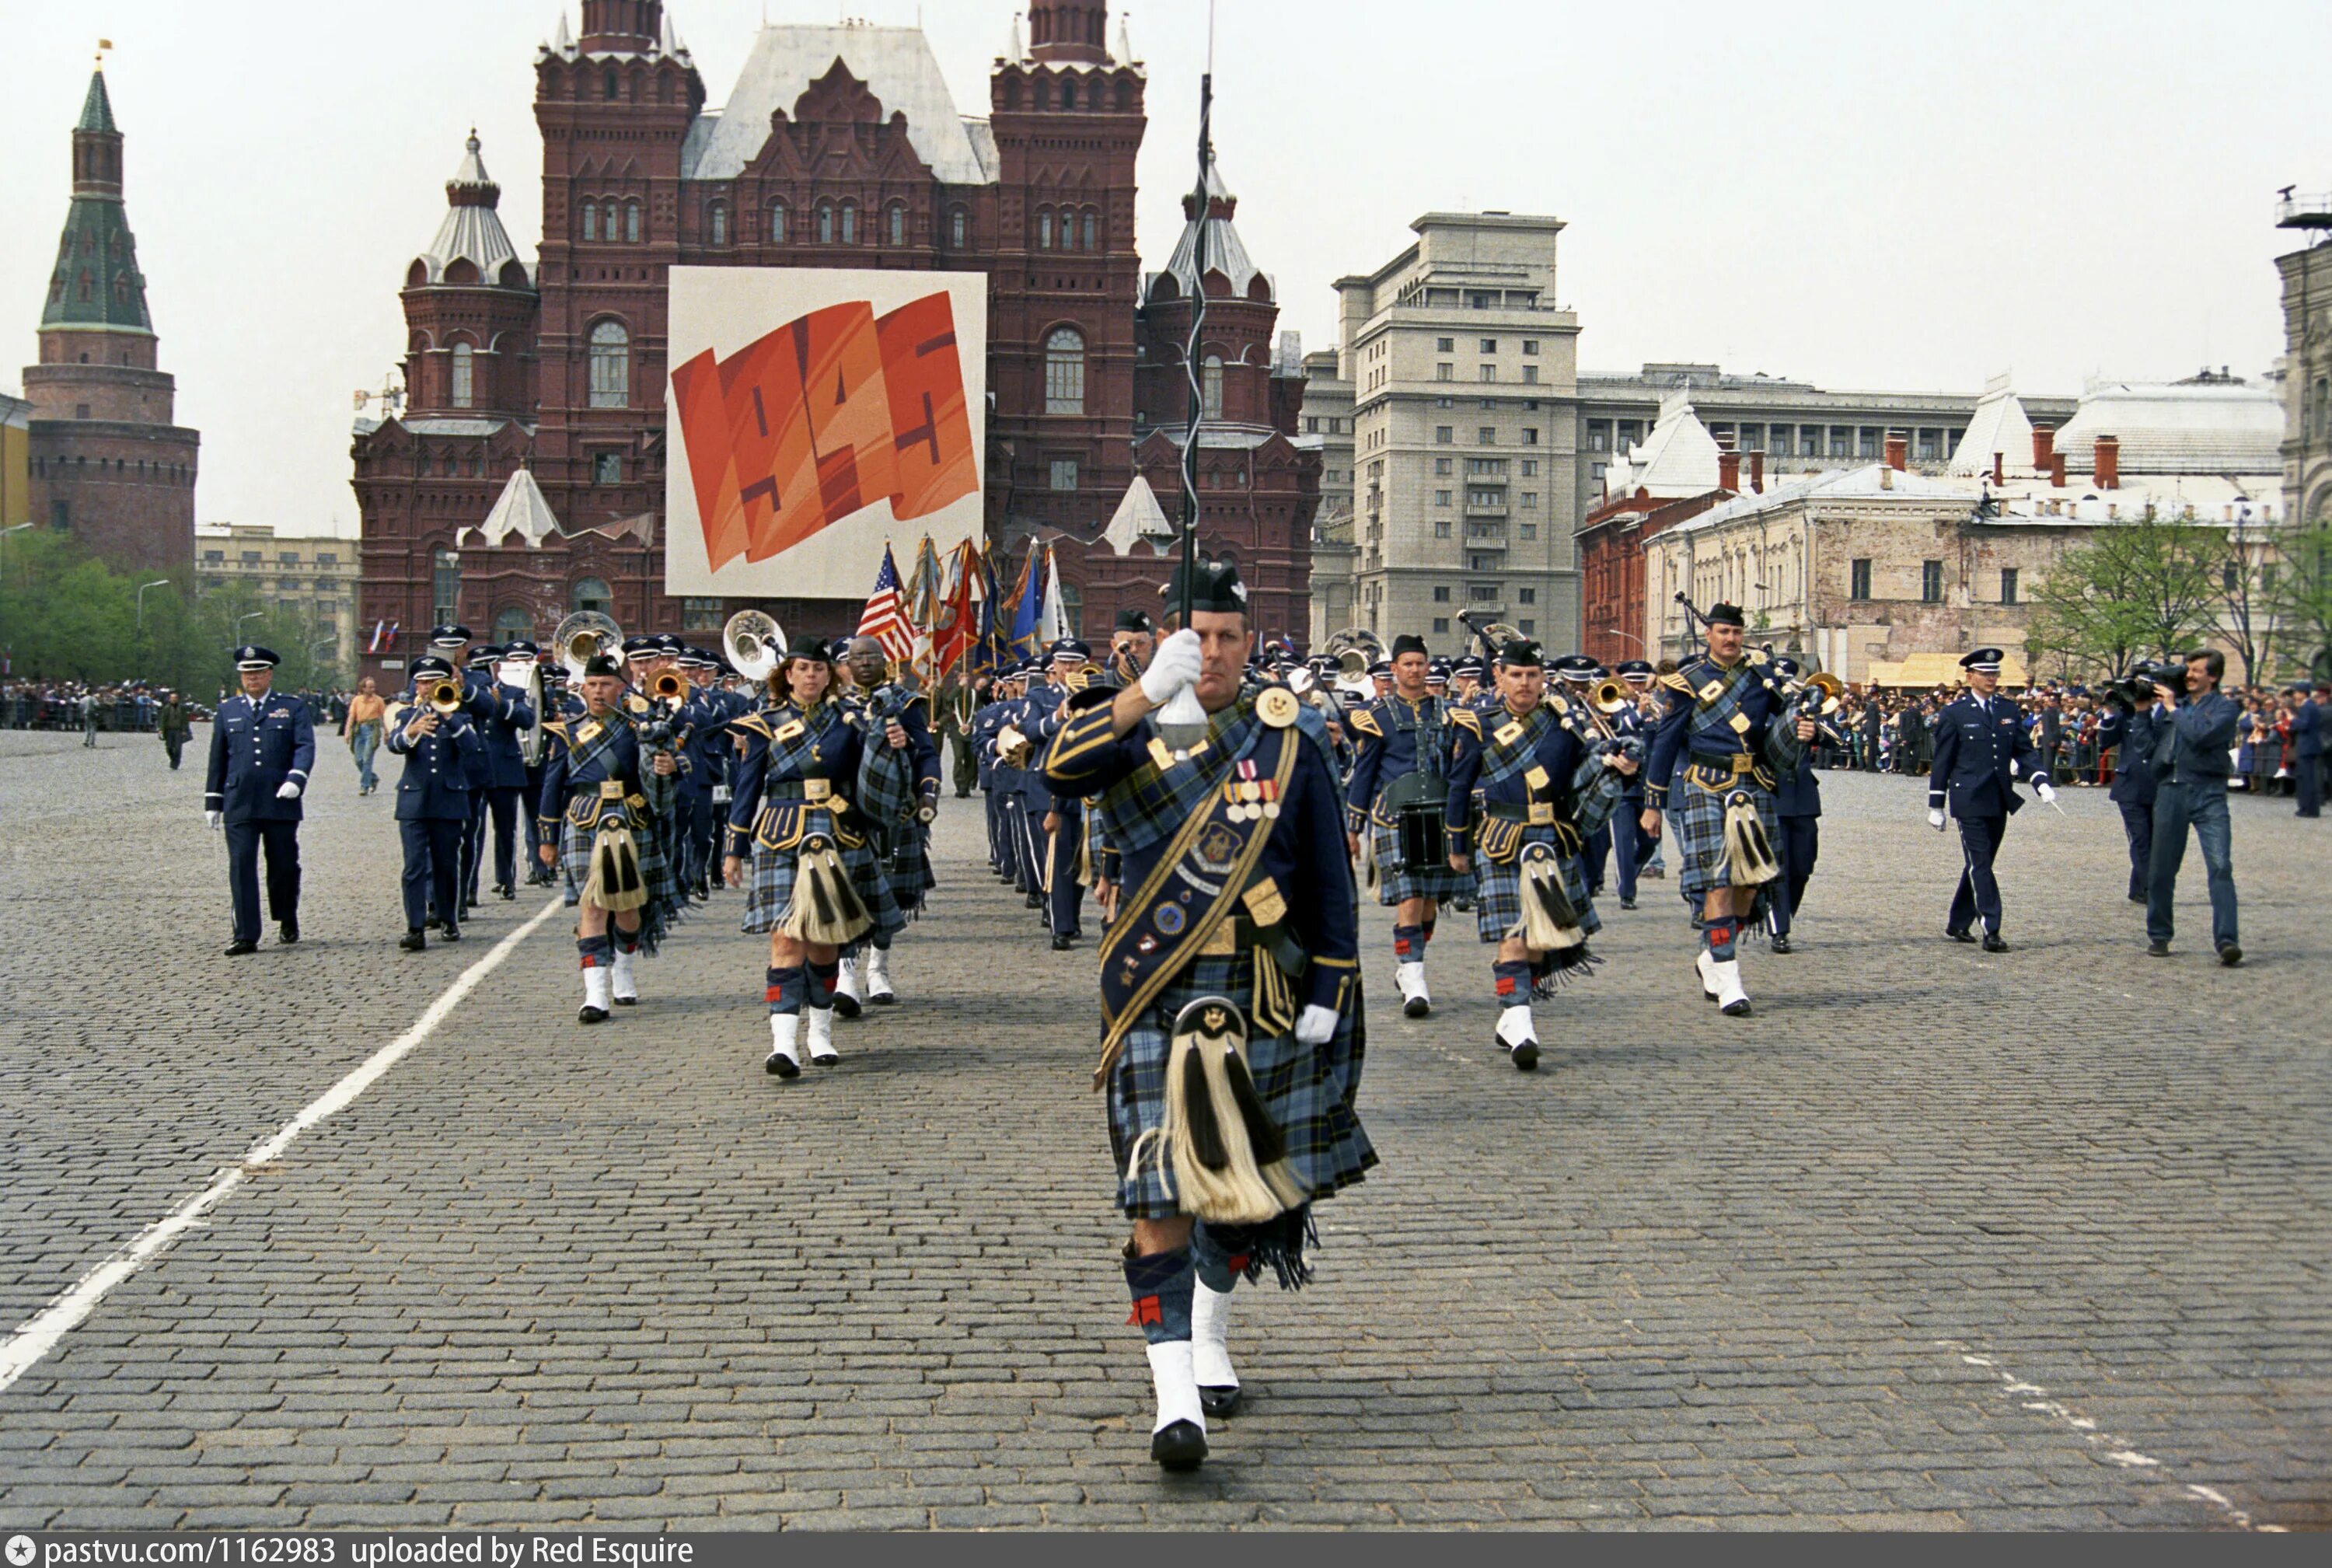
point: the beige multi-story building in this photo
(1462, 373)
(1327, 426)
(2307, 359)
(314, 576)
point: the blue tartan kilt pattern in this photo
(656, 917)
(1499, 902)
(769, 890)
(1309, 1091)
(1397, 882)
(1699, 819)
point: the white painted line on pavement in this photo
(2115, 1450)
(29, 1344)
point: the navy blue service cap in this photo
(448, 637)
(252, 656)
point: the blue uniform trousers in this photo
(1064, 901)
(502, 805)
(2204, 805)
(1979, 891)
(474, 850)
(697, 813)
(433, 860)
(2138, 827)
(994, 808)
(527, 805)
(1797, 848)
(2308, 783)
(243, 842)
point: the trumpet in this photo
(443, 697)
(667, 687)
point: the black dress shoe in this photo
(1036, 901)
(1416, 1007)
(288, 933)
(414, 941)
(1220, 1403)
(782, 1066)
(507, 893)
(587, 1014)
(845, 1006)
(1525, 1056)
(1958, 935)
(452, 932)
(1993, 943)
(1782, 943)
(2158, 950)
(238, 947)
(1063, 943)
(1626, 904)
(2231, 955)
(1179, 1446)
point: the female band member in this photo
(803, 795)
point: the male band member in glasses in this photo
(1395, 796)
(1982, 752)
(261, 746)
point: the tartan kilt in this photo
(908, 886)
(1309, 1091)
(1700, 820)
(1499, 901)
(575, 841)
(1398, 881)
(769, 890)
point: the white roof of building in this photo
(1139, 519)
(1226, 253)
(1863, 483)
(473, 231)
(522, 509)
(2189, 427)
(1678, 457)
(897, 65)
(1999, 424)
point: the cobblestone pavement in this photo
(1938, 1239)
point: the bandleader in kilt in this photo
(602, 793)
(1231, 1038)
(1395, 795)
(1724, 739)
(1525, 789)
(806, 794)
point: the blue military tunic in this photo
(1723, 734)
(1400, 765)
(259, 744)
(1981, 750)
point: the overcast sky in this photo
(1861, 196)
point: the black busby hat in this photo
(1409, 642)
(1214, 589)
(603, 665)
(1521, 654)
(1726, 616)
(1134, 621)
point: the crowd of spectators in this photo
(119, 707)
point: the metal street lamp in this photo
(158, 582)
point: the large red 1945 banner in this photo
(823, 417)
(794, 421)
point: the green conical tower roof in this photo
(96, 286)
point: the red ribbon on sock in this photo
(1145, 1312)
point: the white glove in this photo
(1317, 1026)
(289, 791)
(2042, 788)
(1935, 819)
(217, 819)
(1176, 666)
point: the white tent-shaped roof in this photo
(522, 509)
(1139, 519)
(1999, 424)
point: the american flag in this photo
(885, 617)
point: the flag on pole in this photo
(384, 637)
(956, 630)
(924, 605)
(1026, 627)
(885, 616)
(1055, 618)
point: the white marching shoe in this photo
(878, 978)
(1707, 968)
(1519, 1035)
(847, 994)
(782, 1061)
(1410, 976)
(822, 1053)
(1179, 1440)
(595, 996)
(1210, 1355)
(625, 990)
(1731, 999)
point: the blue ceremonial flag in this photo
(1028, 633)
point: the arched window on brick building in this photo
(632, 222)
(465, 390)
(591, 593)
(716, 223)
(1210, 388)
(826, 223)
(611, 366)
(896, 221)
(1064, 371)
(590, 220)
(849, 223)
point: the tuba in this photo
(1355, 648)
(584, 636)
(754, 644)
(1492, 635)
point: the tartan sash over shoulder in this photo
(1196, 885)
(1152, 802)
(1502, 757)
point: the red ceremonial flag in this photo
(885, 617)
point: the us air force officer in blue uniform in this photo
(261, 746)
(2129, 729)
(501, 714)
(1981, 753)
(2307, 748)
(433, 803)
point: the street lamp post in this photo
(142, 590)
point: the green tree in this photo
(2150, 586)
(2300, 591)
